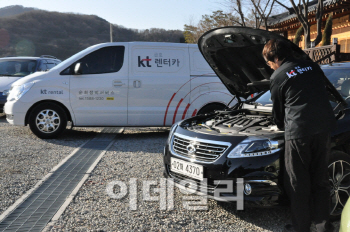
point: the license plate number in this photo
(186, 168)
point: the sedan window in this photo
(339, 77)
(17, 67)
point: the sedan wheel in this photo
(339, 177)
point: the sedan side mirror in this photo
(78, 69)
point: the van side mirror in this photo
(78, 69)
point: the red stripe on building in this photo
(177, 107)
(166, 111)
(184, 114)
(194, 113)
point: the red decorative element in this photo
(177, 107)
(166, 111)
(194, 113)
(184, 114)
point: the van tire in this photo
(47, 120)
(339, 164)
(210, 108)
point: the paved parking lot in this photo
(134, 159)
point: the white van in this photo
(117, 84)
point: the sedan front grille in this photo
(198, 150)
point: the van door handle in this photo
(117, 83)
(137, 84)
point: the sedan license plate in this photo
(186, 168)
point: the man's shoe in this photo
(330, 227)
(288, 228)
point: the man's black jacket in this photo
(300, 102)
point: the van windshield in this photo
(17, 67)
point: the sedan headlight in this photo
(5, 92)
(172, 130)
(17, 91)
(249, 147)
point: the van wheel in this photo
(339, 178)
(47, 120)
(210, 108)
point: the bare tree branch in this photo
(262, 13)
(270, 9)
(319, 13)
(282, 5)
(239, 5)
(238, 22)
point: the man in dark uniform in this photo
(301, 108)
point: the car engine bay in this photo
(236, 122)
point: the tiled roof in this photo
(275, 19)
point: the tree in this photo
(326, 37)
(301, 10)
(263, 11)
(297, 37)
(191, 33)
(258, 11)
(239, 8)
(216, 19)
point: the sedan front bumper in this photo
(261, 176)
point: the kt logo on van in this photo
(44, 91)
(141, 62)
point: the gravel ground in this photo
(137, 153)
(26, 159)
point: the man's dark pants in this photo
(307, 181)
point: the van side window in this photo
(104, 60)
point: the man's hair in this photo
(276, 49)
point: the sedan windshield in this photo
(339, 77)
(16, 67)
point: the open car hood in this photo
(235, 54)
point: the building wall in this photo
(341, 30)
